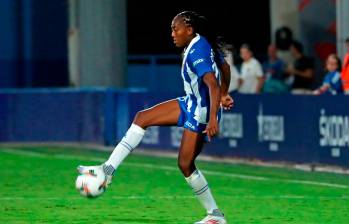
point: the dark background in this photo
(238, 21)
(33, 38)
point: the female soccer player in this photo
(198, 112)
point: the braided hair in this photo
(202, 26)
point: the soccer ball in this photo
(91, 184)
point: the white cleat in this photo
(91, 170)
(88, 169)
(215, 218)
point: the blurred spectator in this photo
(274, 72)
(345, 71)
(302, 70)
(251, 75)
(332, 82)
(234, 75)
(283, 41)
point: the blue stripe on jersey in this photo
(198, 60)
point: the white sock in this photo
(130, 141)
(200, 187)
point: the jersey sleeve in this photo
(200, 61)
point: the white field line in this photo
(111, 197)
(171, 168)
(253, 197)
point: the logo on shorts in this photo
(189, 125)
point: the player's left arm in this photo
(225, 70)
(212, 127)
(226, 100)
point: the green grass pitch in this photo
(37, 185)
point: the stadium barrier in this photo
(302, 129)
(147, 71)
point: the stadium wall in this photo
(302, 129)
(33, 43)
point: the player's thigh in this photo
(191, 146)
(162, 114)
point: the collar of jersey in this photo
(192, 42)
(186, 51)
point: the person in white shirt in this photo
(251, 74)
(234, 74)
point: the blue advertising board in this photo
(302, 129)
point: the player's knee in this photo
(185, 166)
(140, 119)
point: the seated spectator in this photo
(274, 73)
(332, 82)
(345, 70)
(251, 75)
(302, 70)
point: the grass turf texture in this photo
(37, 185)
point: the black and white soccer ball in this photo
(91, 184)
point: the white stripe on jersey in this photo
(192, 85)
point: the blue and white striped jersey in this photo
(198, 59)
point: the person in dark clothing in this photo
(302, 70)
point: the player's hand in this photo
(212, 128)
(227, 102)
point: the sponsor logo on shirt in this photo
(198, 61)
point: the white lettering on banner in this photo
(334, 130)
(233, 143)
(231, 126)
(151, 136)
(270, 127)
(273, 147)
(335, 152)
(176, 136)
